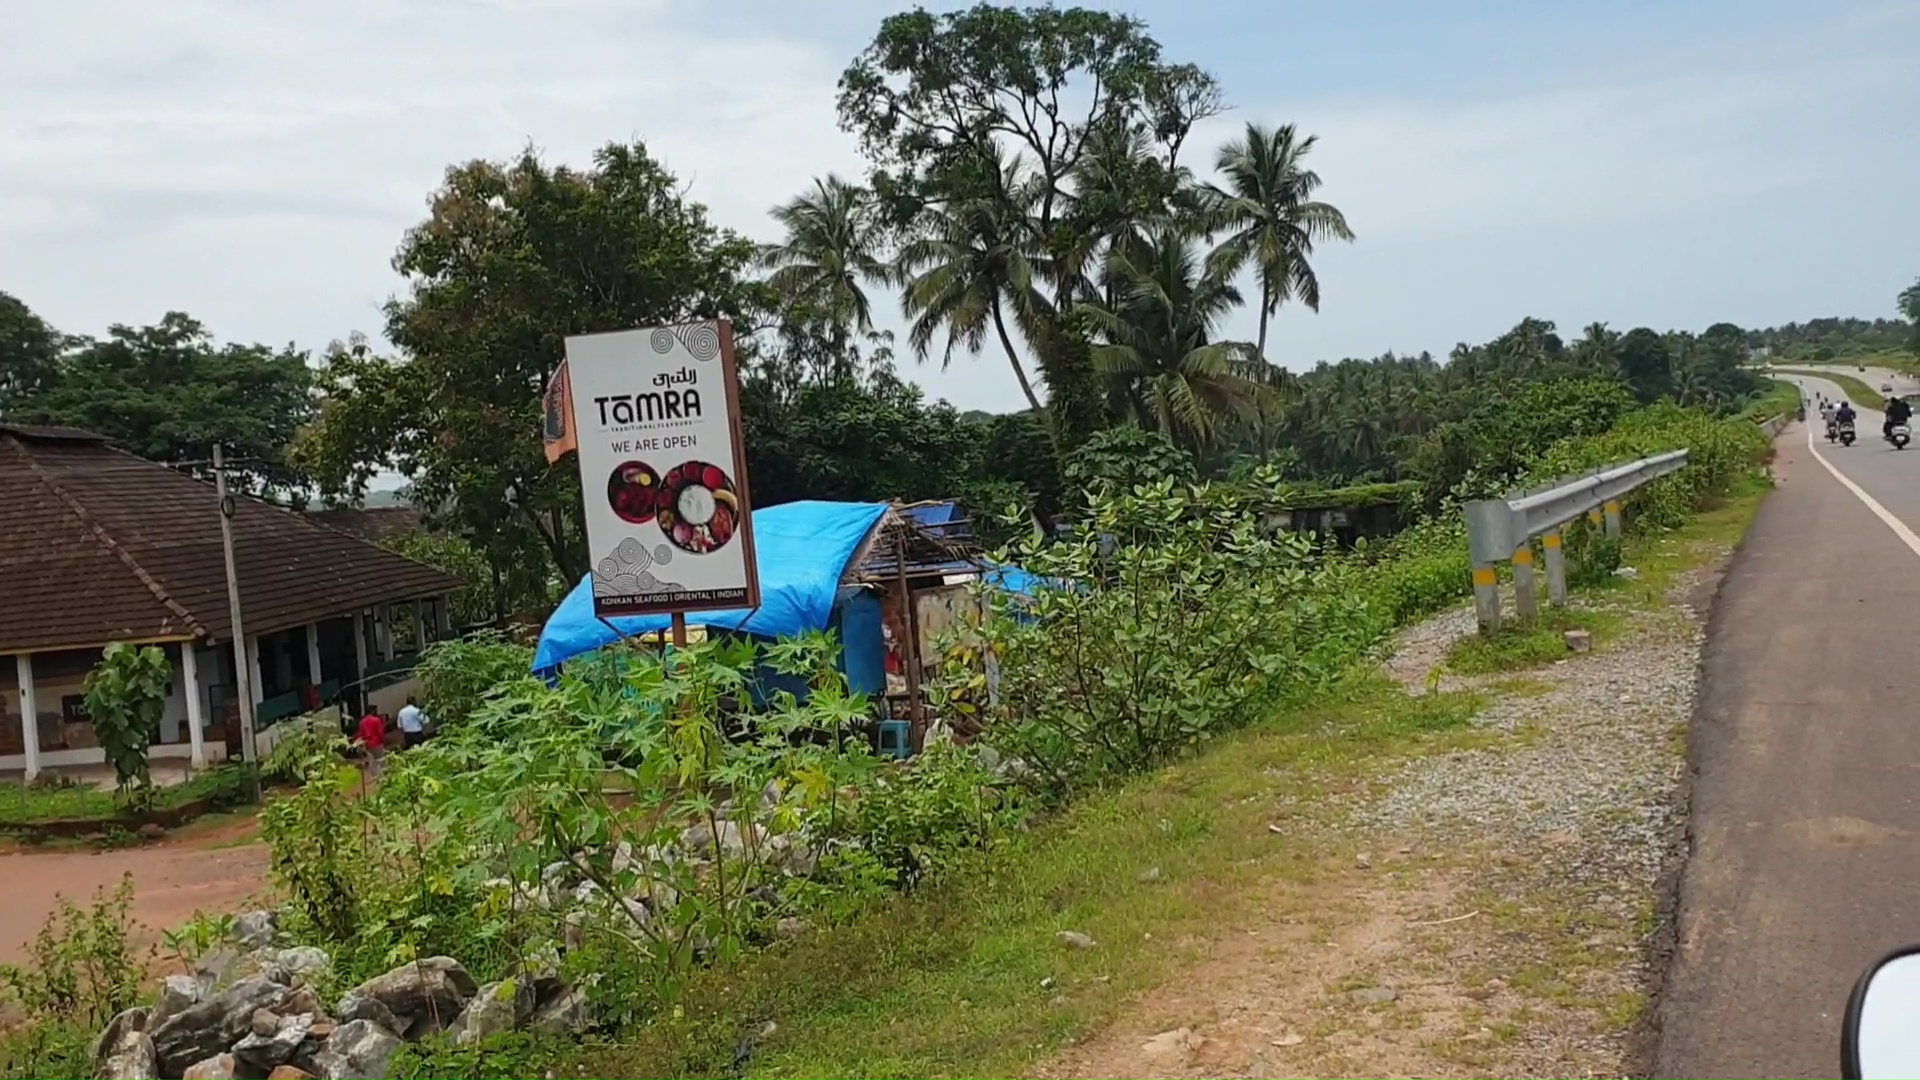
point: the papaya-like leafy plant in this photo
(126, 695)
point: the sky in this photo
(1671, 163)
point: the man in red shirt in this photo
(373, 739)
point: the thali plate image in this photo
(633, 490)
(697, 507)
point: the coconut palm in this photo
(971, 266)
(829, 254)
(1156, 341)
(1121, 190)
(1265, 206)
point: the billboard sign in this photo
(656, 419)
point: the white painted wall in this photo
(387, 700)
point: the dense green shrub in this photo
(1120, 459)
(457, 675)
(1183, 620)
(1719, 452)
(474, 844)
(510, 1055)
(1499, 440)
(1416, 573)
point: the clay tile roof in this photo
(97, 545)
(374, 523)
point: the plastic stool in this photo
(896, 739)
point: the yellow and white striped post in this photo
(1594, 519)
(1613, 519)
(1556, 568)
(1526, 600)
(1486, 597)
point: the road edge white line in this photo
(1899, 527)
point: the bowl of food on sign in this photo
(697, 507)
(634, 491)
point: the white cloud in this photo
(255, 164)
(1693, 189)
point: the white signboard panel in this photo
(656, 413)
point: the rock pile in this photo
(257, 1016)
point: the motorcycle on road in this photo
(1899, 435)
(1846, 432)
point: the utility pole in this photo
(242, 662)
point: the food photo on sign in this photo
(656, 426)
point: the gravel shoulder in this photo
(1499, 907)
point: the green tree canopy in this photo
(168, 393)
(1646, 363)
(29, 352)
(514, 257)
(1120, 458)
(941, 102)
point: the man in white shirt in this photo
(413, 723)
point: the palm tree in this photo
(1157, 345)
(971, 265)
(1266, 208)
(1597, 351)
(830, 251)
(1121, 190)
(1909, 301)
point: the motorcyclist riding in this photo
(1844, 414)
(1898, 412)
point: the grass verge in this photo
(1519, 646)
(968, 978)
(1661, 560)
(1892, 360)
(22, 805)
(1781, 397)
(1858, 392)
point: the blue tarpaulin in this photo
(803, 550)
(934, 513)
(1012, 579)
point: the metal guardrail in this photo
(1499, 530)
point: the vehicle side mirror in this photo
(1881, 1035)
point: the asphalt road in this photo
(1806, 748)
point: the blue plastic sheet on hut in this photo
(1012, 579)
(803, 549)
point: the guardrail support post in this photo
(1526, 597)
(1556, 569)
(1613, 519)
(1486, 597)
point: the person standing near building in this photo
(413, 724)
(372, 738)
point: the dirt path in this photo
(1499, 911)
(209, 869)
